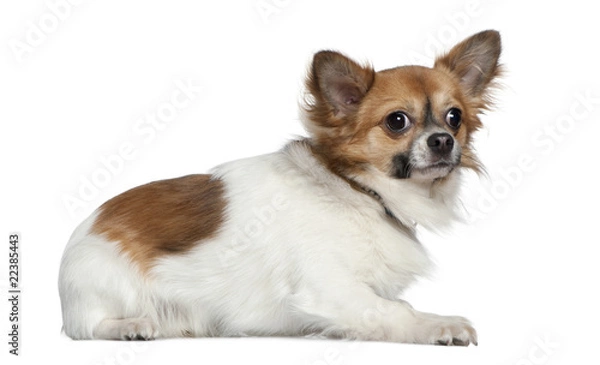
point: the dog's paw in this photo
(446, 330)
(138, 329)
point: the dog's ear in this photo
(474, 61)
(337, 84)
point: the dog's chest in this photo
(388, 257)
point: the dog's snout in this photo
(440, 143)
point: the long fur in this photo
(317, 238)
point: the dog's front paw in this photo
(446, 330)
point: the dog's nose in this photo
(440, 143)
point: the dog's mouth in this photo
(433, 171)
(405, 169)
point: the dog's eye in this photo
(397, 122)
(454, 118)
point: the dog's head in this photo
(409, 122)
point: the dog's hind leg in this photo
(126, 329)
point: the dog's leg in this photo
(444, 330)
(126, 329)
(398, 321)
(365, 316)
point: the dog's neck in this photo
(404, 202)
(404, 225)
(407, 227)
(427, 203)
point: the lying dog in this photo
(318, 238)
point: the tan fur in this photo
(163, 217)
(348, 129)
(408, 89)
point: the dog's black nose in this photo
(440, 143)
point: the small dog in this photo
(315, 239)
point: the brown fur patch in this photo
(163, 217)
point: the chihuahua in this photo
(318, 238)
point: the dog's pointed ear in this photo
(474, 61)
(337, 83)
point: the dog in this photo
(318, 238)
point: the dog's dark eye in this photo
(454, 118)
(397, 122)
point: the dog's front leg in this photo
(366, 316)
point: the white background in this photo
(524, 269)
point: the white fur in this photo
(301, 253)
